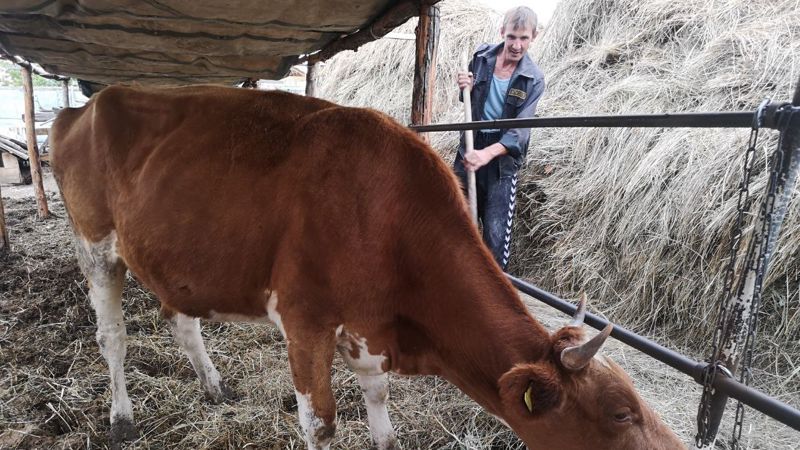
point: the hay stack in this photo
(640, 219)
(380, 74)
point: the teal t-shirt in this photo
(493, 108)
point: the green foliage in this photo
(11, 75)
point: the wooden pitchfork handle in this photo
(469, 146)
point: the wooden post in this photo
(425, 65)
(5, 246)
(311, 82)
(33, 151)
(65, 92)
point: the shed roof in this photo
(190, 41)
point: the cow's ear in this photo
(530, 389)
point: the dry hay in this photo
(54, 389)
(380, 74)
(639, 218)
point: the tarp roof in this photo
(189, 41)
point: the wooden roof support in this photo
(311, 79)
(65, 92)
(425, 65)
(379, 28)
(33, 151)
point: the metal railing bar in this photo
(687, 120)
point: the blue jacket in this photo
(524, 90)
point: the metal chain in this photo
(761, 263)
(723, 328)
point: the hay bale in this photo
(639, 218)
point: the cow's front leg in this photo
(311, 358)
(186, 332)
(376, 394)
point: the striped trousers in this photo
(496, 201)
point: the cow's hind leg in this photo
(310, 359)
(105, 273)
(186, 331)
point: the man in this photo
(506, 84)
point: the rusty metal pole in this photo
(65, 92)
(311, 82)
(425, 66)
(33, 151)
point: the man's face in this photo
(517, 42)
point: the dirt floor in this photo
(54, 389)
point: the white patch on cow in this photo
(186, 332)
(273, 314)
(376, 394)
(355, 352)
(310, 423)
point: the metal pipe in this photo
(759, 401)
(688, 120)
(663, 354)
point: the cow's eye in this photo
(623, 416)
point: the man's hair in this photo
(519, 18)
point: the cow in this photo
(340, 227)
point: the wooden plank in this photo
(33, 151)
(425, 65)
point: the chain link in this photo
(763, 237)
(724, 325)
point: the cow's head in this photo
(575, 399)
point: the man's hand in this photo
(465, 80)
(476, 159)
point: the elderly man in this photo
(505, 84)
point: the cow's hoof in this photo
(122, 430)
(224, 395)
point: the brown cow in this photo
(342, 228)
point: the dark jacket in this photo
(524, 90)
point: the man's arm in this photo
(514, 138)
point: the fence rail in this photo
(743, 119)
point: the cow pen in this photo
(718, 375)
(421, 115)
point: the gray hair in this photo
(519, 18)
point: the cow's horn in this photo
(577, 357)
(580, 313)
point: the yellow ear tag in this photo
(529, 398)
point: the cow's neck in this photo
(479, 329)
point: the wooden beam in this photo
(5, 245)
(33, 151)
(311, 79)
(379, 28)
(425, 65)
(65, 92)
